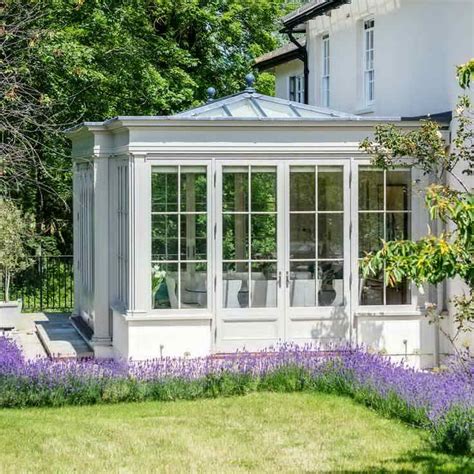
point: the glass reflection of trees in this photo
(179, 236)
(316, 235)
(384, 214)
(249, 235)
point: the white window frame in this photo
(325, 70)
(182, 312)
(296, 88)
(409, 309)
(368, 61)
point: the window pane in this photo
(235, 189)
(193, 189)
(302, 236)
(370, 232)
(164, 284)
(263, 188)
(398, 225)
(330, 235)
(164, 189)
(371, 290)
(331, 283)
(194, 237)
(193, 285)
(330, 188)
(370, 189)
(302, 284)
(264, 237)
(235, 287)
(399, 294)
(164, 237)
(302, 192)
(398, 190)
(264, 285)
(235, 237)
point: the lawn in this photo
(264, 432)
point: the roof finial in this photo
(211, 92)
(250, 81)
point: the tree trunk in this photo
(7, 286)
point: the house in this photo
(240, 224)
(374, 57)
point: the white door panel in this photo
(282, 253)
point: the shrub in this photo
(453, 432)
(440, 402)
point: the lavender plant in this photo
(440, 402)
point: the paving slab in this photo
(29, 343)
(60, 339)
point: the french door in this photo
(282, 252)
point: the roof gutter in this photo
(308, 12)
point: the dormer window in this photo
(369, 72)
(297, 89)
(325, 71)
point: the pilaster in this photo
(102, 339)
(140, 234)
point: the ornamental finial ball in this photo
(211, 92)
(250, 80)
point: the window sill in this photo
(393, 312)
(170, 317)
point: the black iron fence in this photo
(47, 285)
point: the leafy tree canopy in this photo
(94, 59)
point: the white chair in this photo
(264, 292)
(303, 290)
(232, 287)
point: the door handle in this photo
(279, 279)
(287, 279)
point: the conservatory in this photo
(238, 225)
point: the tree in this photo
(16, 231)
(449, 254)
(95, 59)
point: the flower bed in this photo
(442, 403)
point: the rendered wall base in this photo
(103, 349)
(411, 339)
(407, 338)
(149, 338)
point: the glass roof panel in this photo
(220, 112)
(244, 108)
(275, 109)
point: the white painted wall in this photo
(151, 337)
(418, 43)
(282, 77)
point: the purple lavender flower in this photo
(430, 395)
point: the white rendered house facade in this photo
(239, 225)
(379, 57)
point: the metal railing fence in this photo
(46, 285)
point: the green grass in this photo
(262, 432)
